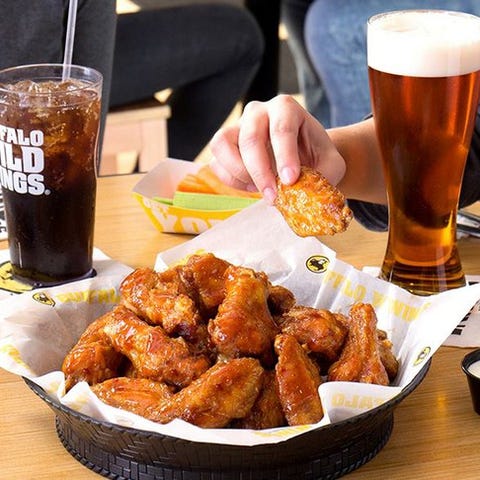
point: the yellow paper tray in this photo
(195, 213)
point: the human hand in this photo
(271, 138)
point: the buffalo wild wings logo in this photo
(422, 356)
(44, 299)
(22, 161)
(317, 263)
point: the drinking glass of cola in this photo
(424, 73)
(48, 154)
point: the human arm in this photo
(279, 136)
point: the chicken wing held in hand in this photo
(312, 206)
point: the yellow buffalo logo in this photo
(317, 263)
(43, 298)
(422, 356)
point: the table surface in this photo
(436, 433)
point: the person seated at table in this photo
(328, 41)
(280, 135)
(293, 15)
(207, 54)
(34, 32)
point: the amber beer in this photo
(424, 72)
(48, 153)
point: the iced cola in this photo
(48, 155)
(424, 70)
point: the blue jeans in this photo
(293, 16)
(335, 38)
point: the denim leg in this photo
(335, 35)
(293, 15)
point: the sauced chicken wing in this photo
(387, 357)
(298, 381)
(90, 362)
(204, 277)
(152, 352)
(161, 299)
(360, 358)
(92, 359)
(280, 299)
(267, 410)
(138, 395)
(312, 206)
(225, 392)
(244, 325)
(318, 331)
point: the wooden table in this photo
(436, 433)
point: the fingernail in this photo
(269, 195)
(287, 175)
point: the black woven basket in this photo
(129, 454)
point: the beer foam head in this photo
(424, 43)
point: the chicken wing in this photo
(298, 380)
(360, 358)
(387, 356)
(152, 352)
(161, 299)
(267, 410)
(90, 362)
(312, 206)
(92, 359)
(225, 392)
(280, 300)
(204, 277)
(244, 325)
(317, 330)
(138, 395)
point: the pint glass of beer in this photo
(424, 73)
(48, 151)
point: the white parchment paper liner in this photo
(36, 333)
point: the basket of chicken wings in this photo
(219, 346)
(227, 361)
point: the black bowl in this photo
(473, 380)
(124, 453)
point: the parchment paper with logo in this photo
(259, 238)
(103, 265)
